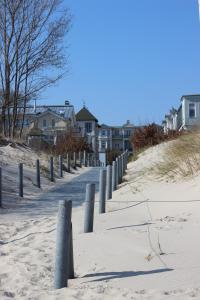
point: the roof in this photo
(49, 111)
(85, 115)
(195, 98)
(65, 111)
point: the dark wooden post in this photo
(38, 173)
(51, 169)
(21, 190)
(109, 182)
(102, 191)
(63, 245)
(89, 207)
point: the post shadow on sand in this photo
(124, 274)
(47, 203)
(129, 226)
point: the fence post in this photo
(117, 172)
(120, 169)
(109, 182)
(74, 160)
(51, 169)
(114, 185)
(62, 261)
(71, 255)
(88, 159)
(68, 163)
(38, 173)
(89, 207)
(102, 191)
(21, 191)
(126, 159)
(0, 187)
(122, 164)
(60, 166)
(80, 159)
(84, 159)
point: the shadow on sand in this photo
(124, 274)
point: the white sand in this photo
(121, 259)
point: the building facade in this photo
(87, 124)
(187, 117)
(51, 121)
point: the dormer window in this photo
(192, 110)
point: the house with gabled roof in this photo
(88, 127)
(187, 117)
(52, 120)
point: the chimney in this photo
(67, 103)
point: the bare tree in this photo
(32, 55)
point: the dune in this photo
(146, 246)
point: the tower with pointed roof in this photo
(88, 125)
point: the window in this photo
(53, 123)
(127, 133)
(116, 132)
(192, 112)
(88, 127)
(103, 144)
(103, 132)
(44, 123)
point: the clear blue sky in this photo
(130, 59)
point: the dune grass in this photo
(181, 157)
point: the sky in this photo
(130, 59)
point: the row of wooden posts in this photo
(79, 159)
(108, 182)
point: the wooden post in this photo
(109, 182)
(71, 256)
(0, 187)
(80, 159)
(38, 173)
(102, 191)
(89, 207)
(63, 240)
(84, 159)
(51, 169)
(21, 190)
(68, 163)
(114, 185)
(117, 172)
(88, 160)
(120, 169)
(74, 160)
(123, 170)
(60, 166)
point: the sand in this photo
(146, 246)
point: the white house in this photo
(88, 125)
(189, 112)
(170, 121)
(187, 116)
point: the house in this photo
(189, 112)
(88, 127)
(170, 121)
(187, 116)
(115, 137)
(103, 137)
(52, 121)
